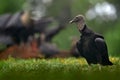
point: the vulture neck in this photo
(80, 25)
(85, 30)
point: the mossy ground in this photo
(57, 69)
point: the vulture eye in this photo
(77, 19)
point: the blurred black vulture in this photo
(91, 45)
(20, 26)
(14, 28)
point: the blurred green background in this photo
(102, 16)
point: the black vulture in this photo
(20, 26)
(91, 46)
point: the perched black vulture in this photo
(91, 45)
(20, 26)
(19, 29)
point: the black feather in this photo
(93, 47)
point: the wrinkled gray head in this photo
(79, 20)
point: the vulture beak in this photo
(74, 20)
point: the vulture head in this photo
(26, 18)
(79, 20)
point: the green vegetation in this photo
(57, 69)
(113, 40)
(109, 29)
(10, 6)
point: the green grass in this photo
(57, 69)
